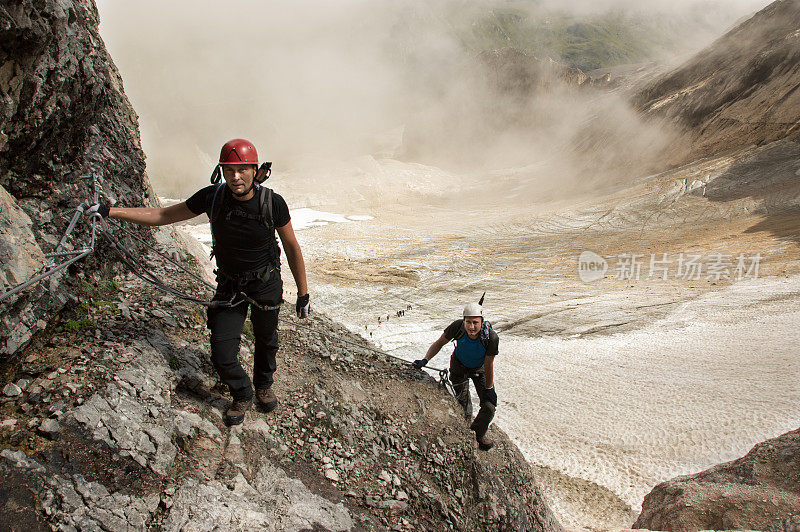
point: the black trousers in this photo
(226, 325)
(460, 375)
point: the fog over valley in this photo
(315, 83)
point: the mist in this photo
(317, 82)
(720, 9)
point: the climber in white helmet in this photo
(473, 358)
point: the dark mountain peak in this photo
(741, 90)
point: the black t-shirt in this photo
(242, 244)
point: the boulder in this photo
(12, 390)
(759, 491)
(20, 255)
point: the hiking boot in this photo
(235, 413)
(485, 444)
(266, 399)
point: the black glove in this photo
(421, 363)
(490, 396)
(98, 208)
(303, 306)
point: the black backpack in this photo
(264, 216)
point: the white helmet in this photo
(473, 309)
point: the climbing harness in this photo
(237, 298)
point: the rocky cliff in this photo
(111, 413)
(63, 114)
(759, 491)
(738, 92)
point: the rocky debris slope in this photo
(740, 91)
(759, 491)
(115, 421)
(63, 114)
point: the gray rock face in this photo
(62, 114)
(739, 91)
(132, 414)
(759, 491)
(272, 502)
(74, 503)
(20, 259)
(20, 255)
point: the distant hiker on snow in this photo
(473, 358)
(244, 219)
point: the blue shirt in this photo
(471, 353)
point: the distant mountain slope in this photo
(741, 90)
(586, 40)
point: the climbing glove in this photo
(98, 208)
(419, 364)
(303, 306)
(490, 396)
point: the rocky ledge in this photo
(760, 491)
(113, 421)
(63, 115)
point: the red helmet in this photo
(238, 151)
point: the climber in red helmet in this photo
(244, 218)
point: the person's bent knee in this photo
(220, 341)
(491, 407)
(225, 365)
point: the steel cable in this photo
(143, 273)
(128, 259)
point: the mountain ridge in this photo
(738, 92)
